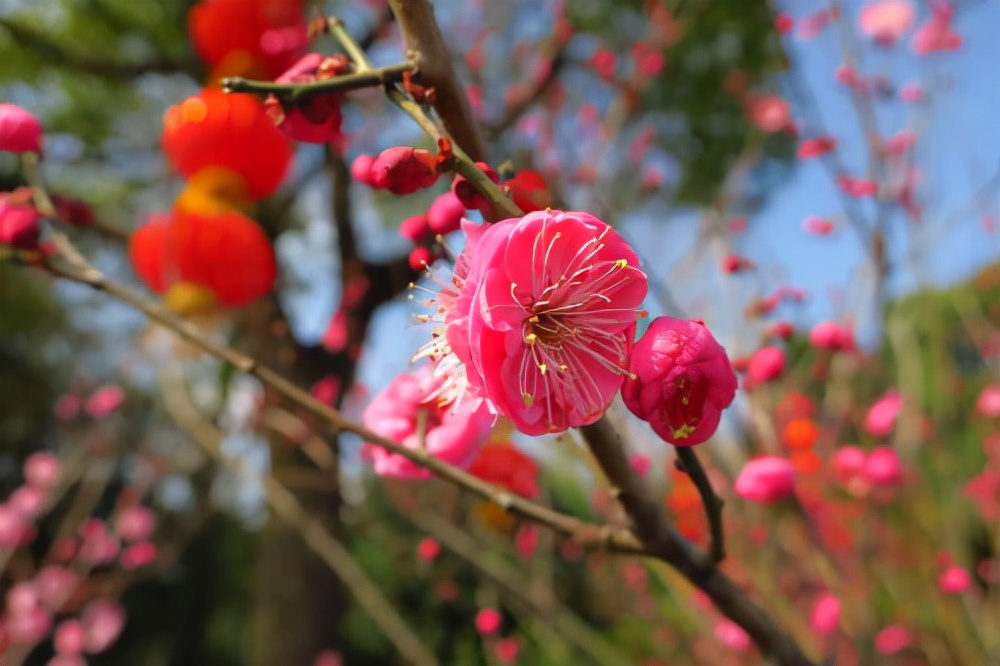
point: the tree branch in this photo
(665, 543)
(587, 534)
(292, 92)
(423, 39)
(688, 463)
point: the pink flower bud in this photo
(420, 258)
(135, 523)
(102, 622)
(54, 585)
(29, 501)
(885, 21)
(526, 541)
(680, 380)
(20, 131)
(847, 463)
(488, 621)
(68, 637)
(765, 364)
(445, 214)
(104, 401)
(415, 228)
(811, 148)
(954, 580)
(988, 402)
(42, 469)
(404, 170)
(361, 169)
(825, 615)
(15, 530)
(22, 598)
(428, 549)
(892, 639)
(732, 635)
(29, 628)
(769, 113)
(506, 650)
(732, 263)
(19, 222)
(883, 468)
(138, 555)
(765, 480)
(881, 417)
(833, 336)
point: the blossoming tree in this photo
(568, 466)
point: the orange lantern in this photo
(252, 38)
(227, 132)
(203, 261)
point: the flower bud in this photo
(766, 480)
(680, 382)
(20, 131)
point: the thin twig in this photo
(292, 92)
(688, 462)
(587, 534)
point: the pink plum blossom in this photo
(415, 412)
(954, 580)
(20, 131)
(68, 637)
(765, 480)
(766, 364)
(135, 523)
(825, 615)
(54, 585)
(680, 380)
(104, 401)
(445, 214)
(881, 417)
(892, 639)
(29, 501)
(988, 402)
(937, 34)
(543, 316)
(732, 635)
(883, 468)
(102, 622)
(506, 650)
(847, 463)
(19, 220)
(428, 549)
(137, 555)
(42, 469)
(769, 113)
(15, 529)
(488, 621)
(885, 21)
(833, 336)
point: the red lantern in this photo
(251, 38)
(227, 131)
(203, 260)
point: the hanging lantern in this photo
(202, 262)
(227, 131)
(253, 38)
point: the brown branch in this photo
(687, 462)
(424, 41)
(368, 78)
(587, 534)
(664, 542)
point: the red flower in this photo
(680, 382)
(226, 255)
(318, 118)
(20, 132)
(252, 38)
(233, 132)
(19, 220)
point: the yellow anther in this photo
(621, 263)
(528, 399)
(542, 368)
(531, 338)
